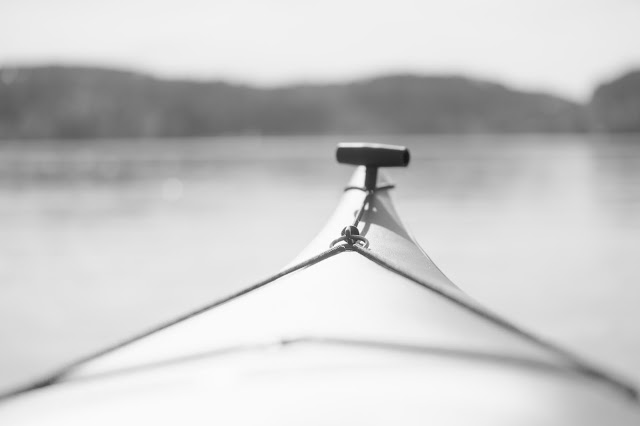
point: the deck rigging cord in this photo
(350, 234)
(575, 362)
(60, 374)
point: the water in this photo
(99, 240)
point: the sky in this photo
(561, 46)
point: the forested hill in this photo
(65, 102)
(617, 104)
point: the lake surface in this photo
(100, 240)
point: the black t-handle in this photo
(372, 156)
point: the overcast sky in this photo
(563, 46)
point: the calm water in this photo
(101, 240)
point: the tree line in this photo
(80, 102)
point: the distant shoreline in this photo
(57, 102)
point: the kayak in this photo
(360, 328)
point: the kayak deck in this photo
(343, 298)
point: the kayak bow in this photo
(361, 327)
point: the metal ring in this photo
(353, 237)
(337, 240)
(362, 239)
